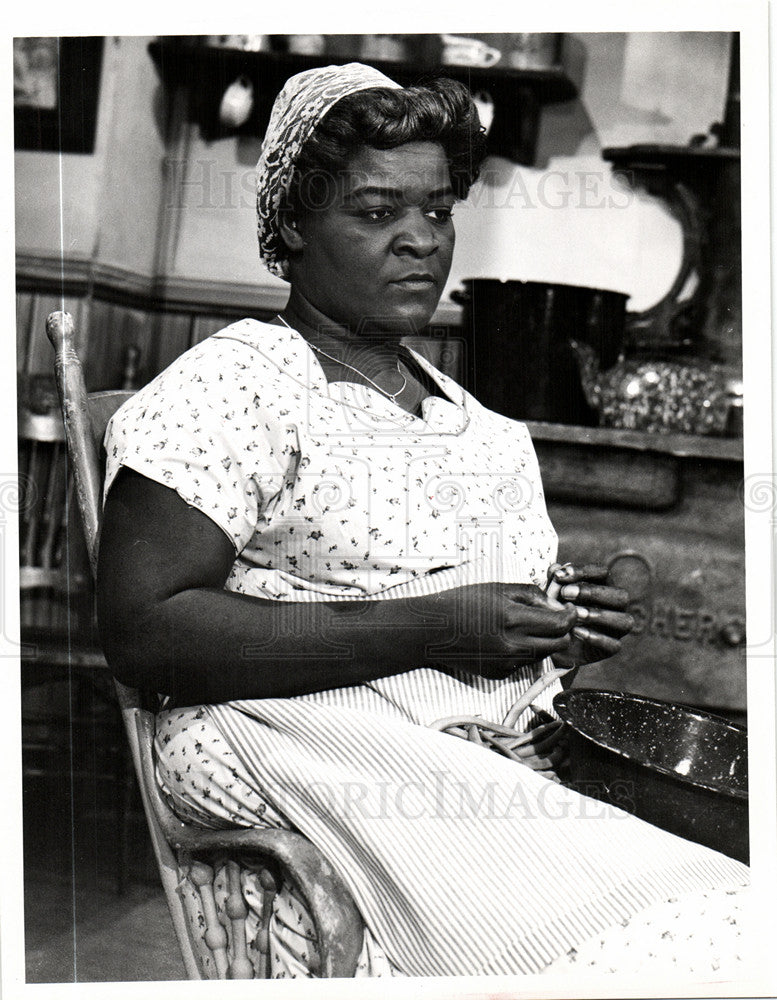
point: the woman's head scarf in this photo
(299, 107)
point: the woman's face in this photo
(377, 256)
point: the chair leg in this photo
(237, 911)
(218, 918)
(215, 936)
(269, 892)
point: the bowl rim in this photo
(563, 697)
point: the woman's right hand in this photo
(495, 627)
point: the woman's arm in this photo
(167, 623)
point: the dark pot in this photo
(517, 335)
(679, 768)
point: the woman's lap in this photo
(209, 780)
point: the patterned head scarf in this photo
(299, 107)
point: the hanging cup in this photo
(237, 103)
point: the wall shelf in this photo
(723, 449)
(616, 468)
(518, 95)
(650, 155)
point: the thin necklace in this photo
(391, 395)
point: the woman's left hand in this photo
(602, 620)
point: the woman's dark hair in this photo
(441, 110)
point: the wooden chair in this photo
(198, 865)
(50, 583)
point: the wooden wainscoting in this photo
(115, 309)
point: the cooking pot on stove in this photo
(522, 330)
(678, 767)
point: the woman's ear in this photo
(290, 232)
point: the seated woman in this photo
(318, 545)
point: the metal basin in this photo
(679, 768)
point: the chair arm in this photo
(337, 920)
(338, 923)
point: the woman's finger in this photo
(532, 597)
(540, 620)
(598, 640)
(534, 646)
(616, 623)
(593, 593)
(593, 572)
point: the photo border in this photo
(752, 19)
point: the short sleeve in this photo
(199, 428)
